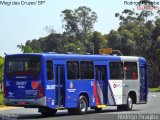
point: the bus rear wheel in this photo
(82, 105)
(47, 111)
(126, 107)
(121, 107)
(129, 105)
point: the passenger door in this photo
(60, 87)
(101, 83)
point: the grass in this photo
(1, 99)
(154, 89)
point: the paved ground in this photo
(109, 113)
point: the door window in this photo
(49, 65)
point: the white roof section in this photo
(129, 58)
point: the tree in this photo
(71, 47)
(79, 22)
(33, 45)
(98, 41)
(25, 48)
(53, 42)
(140, 28)
(1, 68)
(156, 30)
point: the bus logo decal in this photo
(34, 84)
(71, 85)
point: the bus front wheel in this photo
(82, 105)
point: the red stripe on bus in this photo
(95, 94)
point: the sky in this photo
(22, 22)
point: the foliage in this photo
(98, 41)
(79, 22)
(25, 48)
(154, 89)
(1, 98)
(78, 25)
(1, 68)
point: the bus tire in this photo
(82, 105)
(120, 107)
(126, 107)
(47, 111)
(129, 104)
(72, 111)
(98, 109)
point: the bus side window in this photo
(49, 65)
(116, 70)
(131, 71)
(73, 70)
(86, 70)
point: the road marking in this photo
(153, 95)
(8, 108)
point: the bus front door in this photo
(60, 78)
(143, 83)
(101, 83)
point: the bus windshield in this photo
(22, 67)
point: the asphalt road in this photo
(149, 111)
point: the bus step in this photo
(101, 106)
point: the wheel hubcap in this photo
(83, 105)
(130, 103)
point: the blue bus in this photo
(74, 82)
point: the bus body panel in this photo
(74, 91)
(21, 89)
(114, 86)
(130, 85)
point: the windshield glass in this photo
(22, 67)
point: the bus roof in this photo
(81, 56)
